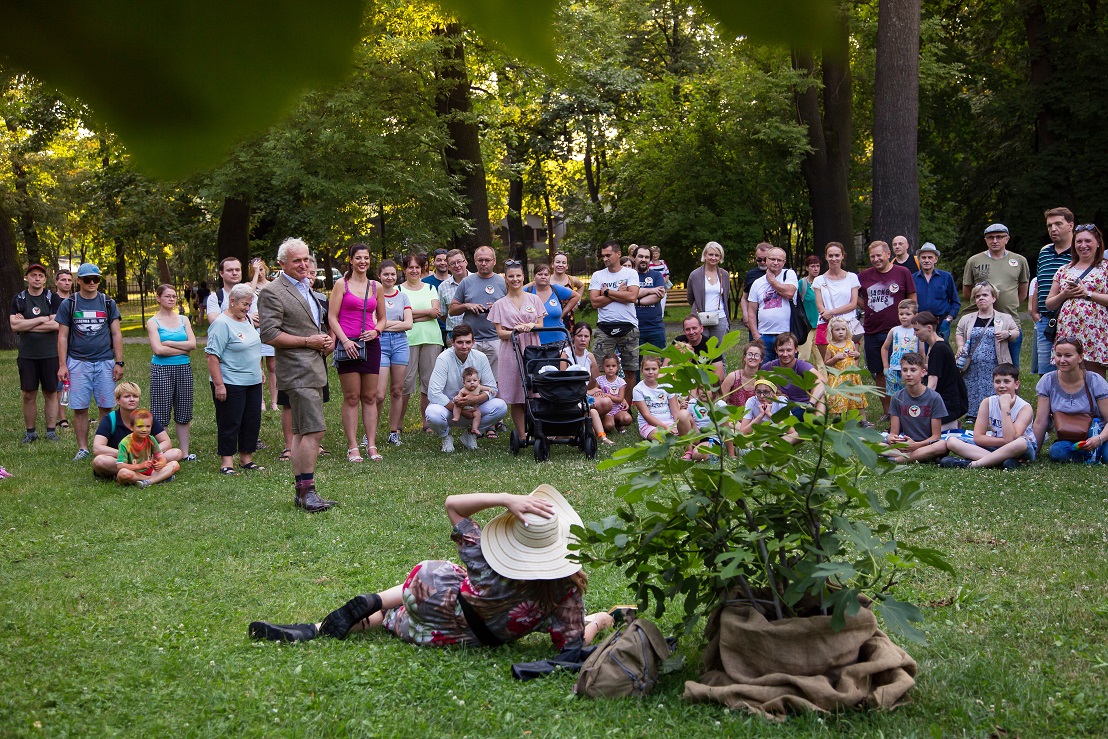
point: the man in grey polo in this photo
(473, 299)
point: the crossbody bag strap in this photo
(365, 302)
(477, 624)
(1094, 410)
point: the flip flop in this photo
(252, 467)
(63, 424)
(286, 456)
(323, 452)
(491, 434)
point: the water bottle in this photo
(64, 399)
(960, 360)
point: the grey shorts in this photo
(307, 410)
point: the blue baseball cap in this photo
(88, 270)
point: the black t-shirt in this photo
(37, 344)
(751, 277)
(951, 387)
(116, 436)
(701, 348)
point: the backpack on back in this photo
(626, 663)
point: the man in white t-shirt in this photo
(613, 292)
(769, 308)
(230, 271)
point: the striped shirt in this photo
(1046, 266)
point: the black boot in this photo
(285, 632)
(339, 622)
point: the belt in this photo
(477, 625)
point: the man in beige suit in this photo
(292, 320)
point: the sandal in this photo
(491, 434)
(374, 455)
(63, 424)
(261, 445)
(252, 467)
(286, 456)
(227, 471)
(353, 456)
(323, 452)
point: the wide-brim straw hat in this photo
(538, 550)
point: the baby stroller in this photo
(557, 407)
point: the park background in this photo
(650, 122)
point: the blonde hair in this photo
(908, 303)
(258, 266)
(127, 387)
(712, 245)
(839, 321)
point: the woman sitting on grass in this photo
(1072, 390)
(515, 578)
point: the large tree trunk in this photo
(112, 208)
(10, 282)
(896, 122)
(515, 205)
(233, 238)
(26, 214)
(826, 168)
(463, 153)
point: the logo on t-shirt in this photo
(35, 310)
(878, 298)
(894, 288)
(771, 299)
(1013, 263)
(914, 411)
(89, 321)
(489, 289)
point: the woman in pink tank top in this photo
(356, 309)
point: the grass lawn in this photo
(125, 611)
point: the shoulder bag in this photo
(965, 360)
(799, 324)
(1075, 426)
(340, 350)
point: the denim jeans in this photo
(1015, 347)
(1042, 348)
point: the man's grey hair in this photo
(289, 243)
(242, 290)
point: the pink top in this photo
(350, 311)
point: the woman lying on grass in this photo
(515, 578)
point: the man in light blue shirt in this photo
(445, 384)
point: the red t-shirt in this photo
(881, 293)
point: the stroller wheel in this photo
(513, 442)
(542, 449)
(590, 446)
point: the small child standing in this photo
(916, 415)
(842, 354)
(1002, 433)
(140, 461)
(899, 341)
(471, 388)
(614, 387)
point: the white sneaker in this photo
(448, 444)
(469, 441)
(394, 438)
(143, 483)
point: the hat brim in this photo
(513, 560)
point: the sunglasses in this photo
(1085, 227)
(512, 263)
(439, 252)
(90, 280)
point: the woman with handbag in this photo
(836, 293)
(1077, 401)
(709, 292)
(515, 578)
(1079, 296)
(983, 338)
(356, 309)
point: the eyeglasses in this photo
(439, 252)
(512, 263)
(1085, 227)
(753, 355)
(90, 280)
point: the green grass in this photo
(125, 611)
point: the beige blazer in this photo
(1004, 322)
(281, 308)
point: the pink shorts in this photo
(821, 334)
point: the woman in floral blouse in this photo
(507, 586)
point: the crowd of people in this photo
(451, 335)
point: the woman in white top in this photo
(709, 290)
(836, 295)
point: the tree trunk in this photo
(463, 153)
(233, 238)
(163, 268)
(112, 208)
(896, 122)
(592, 173)
(10, 282)
(515, 203)
(826, 169)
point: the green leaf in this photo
(930, 557)
(180, 83)
(898, 616)
(522, 28)
(807, 23)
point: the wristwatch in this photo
(119, 364)
(605, 292)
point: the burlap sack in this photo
(772, 667)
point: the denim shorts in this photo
(394, 348)
(89, 380)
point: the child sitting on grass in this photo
(1002, 433)
(915, 426)
(613, 387)
(900, 341)
(140, 460)
(659, 412)
(471, 388)
(765, 404)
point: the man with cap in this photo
(32, 317)
(935, 289)
(90, 351)
(1006, 271)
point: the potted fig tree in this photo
(790, 552)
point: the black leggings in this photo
(238, 419)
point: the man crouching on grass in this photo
(1002, 434)
(917, 411)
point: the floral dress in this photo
(1085, 319)
(431, 614)
(979, 379)
(842, 403)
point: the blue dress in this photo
(553, 318)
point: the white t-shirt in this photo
(753, 408)
(713, 300)
(836, 293)
(774, 311)
(657, 402)
(615, 312)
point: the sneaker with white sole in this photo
(189, 458)
(143, 483)
(448, 444)
(81, 455)
(468, 440)
(394, 438)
